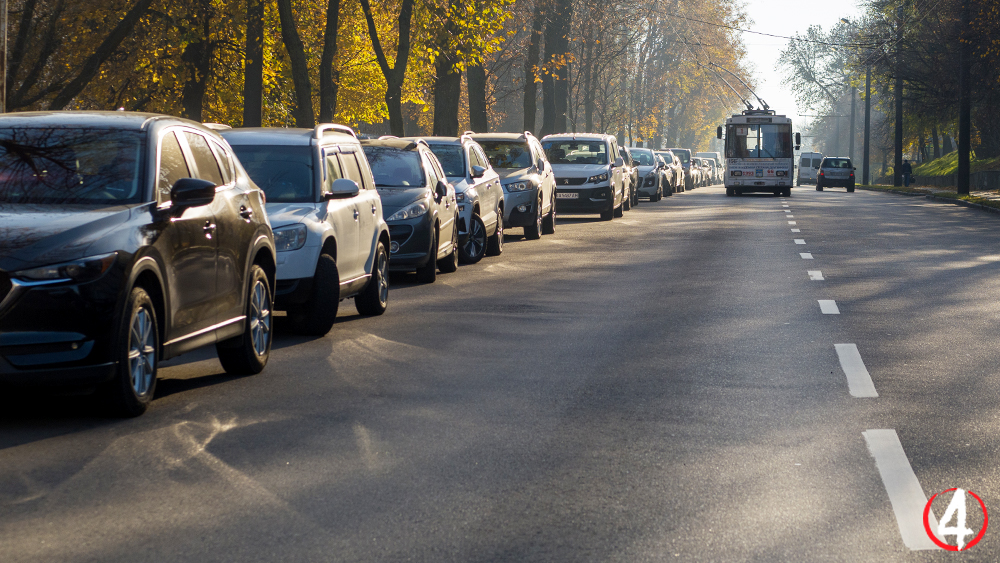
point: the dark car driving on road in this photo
(126, 239)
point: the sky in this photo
(785, 17)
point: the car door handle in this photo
(374, 210)
(209, 229)
(246, 212)
(356, 214)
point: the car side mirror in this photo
(441, 190)
(540, 164)
(718, 132)
(191, 192)
(619, 162)
(342, 188)
(478, 171)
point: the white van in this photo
(808, 167)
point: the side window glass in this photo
(332, 170)
(225, 162)
(432, 175)
(204, 158)
(366, 171)
(474, 158)
(483, 161)
(351, 169)
(172, 167)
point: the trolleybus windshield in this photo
(769, 140)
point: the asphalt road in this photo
(660, 387)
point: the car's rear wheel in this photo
(730, 191)
(449, 263)
(375, 298)
(138, 348)
(475, 248)
(247, 353)
(850, 188)
(316, 316)
(819, 188)
(428, 272)
(534, 231)
(494, 247)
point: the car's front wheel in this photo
(375, 298)
(534, 231)
(138, 346)
(317, 315)
(247, 353)
(494, 247)
(549, 223)
(475, 248)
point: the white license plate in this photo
(567, 195)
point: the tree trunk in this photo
(395, 75)
(303, 111)
(197, 57)
(479, 119)
(92, 65)
(530, 62)
(555, 89)
(253, 78)
(935, 143)
(329, 76)
(447, 94)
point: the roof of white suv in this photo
(285, 135)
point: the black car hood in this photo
(512, 174)
(394, 199)
(35, 235)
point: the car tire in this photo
(798, 182)
(850, 188)
(475, 248)
(374, 300)
(729, 192)
(316, 316)
(428, 272)
(549, 223)
(819, 188)
(787, 192)
(247, 353)
(534, 231)
(449, 264)
(627, 202)
(494, 246)
(620, 210)
(131, 390)
(608, 215)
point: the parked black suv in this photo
(126, 239)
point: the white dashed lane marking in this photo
(788, 210)
(791, 222)
(905, 493)
(859, 381)
(800, 241)
(828, 307)
(806, 255)
(815, 275)
(796, 231)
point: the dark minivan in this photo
(126, 239)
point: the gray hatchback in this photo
(529, 185)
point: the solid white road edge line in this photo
(905, 493)
(815, 275)
(859, 381)
(806, 255)
(800, 241)
(828, 307)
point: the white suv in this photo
(331, 240)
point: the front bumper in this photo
(410, 248)
(596, 199)
(513, 202)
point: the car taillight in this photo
(852, 174)
(820, 172)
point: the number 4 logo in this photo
(956, 511)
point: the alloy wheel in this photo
(142, 352)
(383, 279)
(260, 318)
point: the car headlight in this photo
(517, 186)
(598, 178)
(410, 211)
(290, 238)
(83, 270)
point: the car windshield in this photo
(452, 159)
(284, 172)
(684, 155)
(642, 157)
(837, 163)
(71, 166)
(507, 154)
(394, 168)
(576, 152)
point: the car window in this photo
(452, 159)
(836, 163)
(44, 165)
(331, 170)
(172, 167)
(284, 172)
(434, 172)
(508, 154)
(204, 158)
(394, 168)
(225, 161)
(816, 162)
(476, 158)
(351, 169)
(804, 161)
(643, 157)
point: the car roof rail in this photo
(421, 142)
(468, 133)
(217, 126)
(387, 137)
(324, 127)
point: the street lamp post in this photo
(865, 170)
(3, 56)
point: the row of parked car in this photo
(127, 239)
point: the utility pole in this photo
(3, 56)
(897, 169)
(865, 170)
(854, 111)
(964, 105)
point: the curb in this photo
(933, 197)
